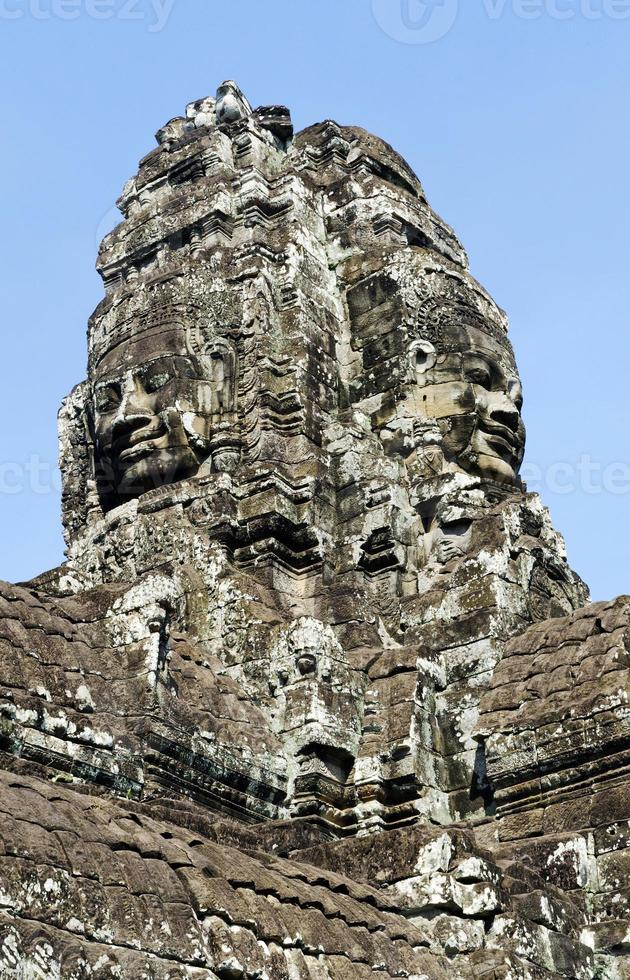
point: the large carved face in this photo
(437, 369)
(471, 388)
(155, 408)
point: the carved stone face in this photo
(436, 369)
(473, 391)
(155, 408)
(452, 538)
(450, 529)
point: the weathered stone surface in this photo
(315, 693)
(89, 888)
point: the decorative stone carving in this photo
(202, 112)
(230, 104)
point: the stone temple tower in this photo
(322, 692)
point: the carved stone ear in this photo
(220, 363)
(422, 357)
(77, 460)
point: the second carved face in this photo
(434, 367)
(471, 388)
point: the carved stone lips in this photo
(500, 433)
(137, 443)
(501, 439)
(134, 452)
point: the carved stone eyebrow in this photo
(494, 363)
(475, 357)
(166, 359)
(107, 383)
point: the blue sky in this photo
(513, 113)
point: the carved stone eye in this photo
(107, 398)
(516, 393)
(156, 381)
(188, 371)
(480, 376)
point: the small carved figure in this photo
(231, 104)
(201, 113)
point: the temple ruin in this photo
(315, 694)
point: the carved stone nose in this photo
(125, 425)
(510, 419)
(132, 411)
